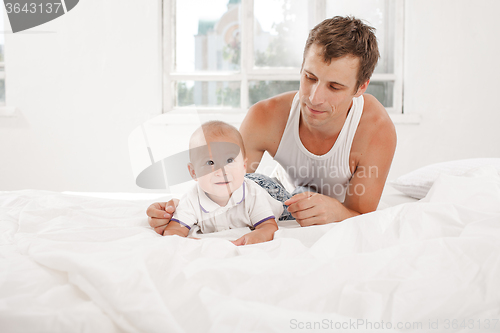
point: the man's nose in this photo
(317, 95)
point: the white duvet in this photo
(79, 264)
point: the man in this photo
(329, 137)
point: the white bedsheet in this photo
(392, 197)
(77, 264)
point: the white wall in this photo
(81, 84)
(451, 79)
(82, 88)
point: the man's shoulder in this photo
(375, 119)
(265, 123)
(375, 127)
(272, 109)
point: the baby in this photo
(222, 198)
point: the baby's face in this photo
(219, 167)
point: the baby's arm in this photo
(175, 228)
(263, 232)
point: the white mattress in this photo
(392, 197)
(71, 263)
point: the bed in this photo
(79, 263)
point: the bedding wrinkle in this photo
(94, 265)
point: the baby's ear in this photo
(191, 171)
(245, 166)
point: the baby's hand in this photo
(263, 232)
(250, 238)
(256, 236)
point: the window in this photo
(225, 55)
(2, 63)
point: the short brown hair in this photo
(341, 36)
(217, 128)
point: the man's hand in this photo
(160, 213)
(309, 208)
(262, 233)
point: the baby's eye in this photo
(230, 160)
(209, 162)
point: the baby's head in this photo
(218, 161)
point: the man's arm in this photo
(374, 146)
(263, 127)
(368, 181)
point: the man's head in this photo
(218, 161)
(346, 36)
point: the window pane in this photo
(377, 13)
(207, 35)
(2, 40)
(2, 59)
(208, 93)
(280, 32)
(383, 91)
(260, 90)
(2, 91)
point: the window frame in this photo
(2, 63)
(248, 72)
(2, 77)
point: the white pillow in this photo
(417, 183)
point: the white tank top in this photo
(328, 174)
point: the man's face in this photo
(219, 167)
(326, 90)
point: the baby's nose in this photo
(220, 171)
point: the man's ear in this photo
(191, 171)
(362, 88)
